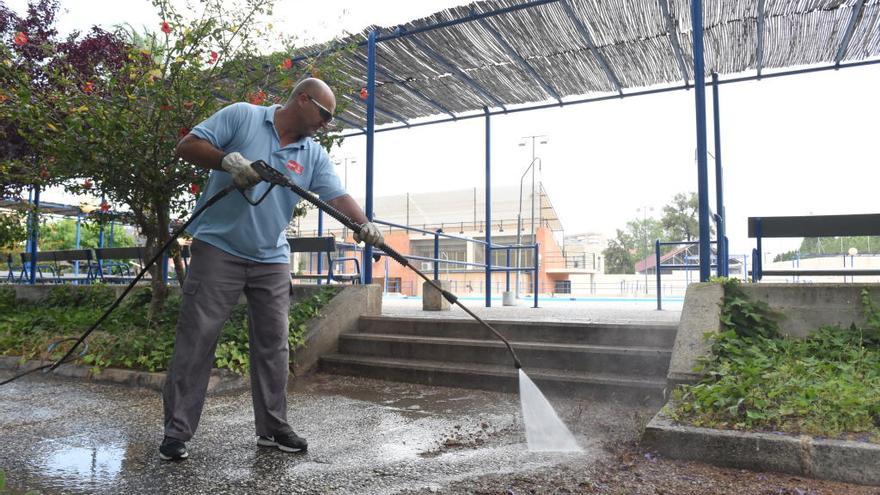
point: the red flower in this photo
(20, 39)
(183, 131)
(194, 188)
(214, 57)
(88, 87)
(187, 104)
(257, 98)
(105, 206)
(3, 97)
(363, 94)
(87, 184)
(166, 28)
(287, 64)
(165, 107)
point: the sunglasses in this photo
(326, 115)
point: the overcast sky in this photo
(791, 146)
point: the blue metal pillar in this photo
(702, 166)
(658, 273)
(78, 239)
(721, 265)
(34, 234)
(371, 124)
(320, 233)
(437, 255)
(488, 209)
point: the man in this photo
(242, 248)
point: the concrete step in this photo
(654, 335)
(634, 361)
(499, 378)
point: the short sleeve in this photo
(219, 129)
(325, 182)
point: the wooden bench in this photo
(114, 264)
(810, 226)
(326, 245)
(58, 263)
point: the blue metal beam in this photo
(636, 93)
(521, 61)
(759, 51)
(702, 166)
(589, 39)
(850, 29)
(721, 225)
(371, 124)
(458, 73)
(488, 208)
(399, 82)
(430, 27)
(673, 39)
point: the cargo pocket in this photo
(190, 287)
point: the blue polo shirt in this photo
(258, 232)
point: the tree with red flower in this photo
(20, 39)
(257, 98)
(166, 28)
(364, 94)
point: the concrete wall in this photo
(802, 307)
(339, 316)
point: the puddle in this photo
(84, 465)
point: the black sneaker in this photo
(172, 449)
(288, 442)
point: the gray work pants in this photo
(212, 287)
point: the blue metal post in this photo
(34, 233)
(507, 283)
(437, 255)
(726, 256)
(101, 224)
(488, 210)
(721, 268)
(657, 270)
(536, 282)
(320, 233)
(702, 166)
(78, 238)
(371, 124)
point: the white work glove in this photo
(243, 175)
(369, 234)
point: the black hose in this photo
(210, 202)
(272, 176)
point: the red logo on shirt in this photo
(294, 167)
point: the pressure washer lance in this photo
(272, 176)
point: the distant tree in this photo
(680, 218)
(62, 235)
(643, 232)
(812, 246)
(619, 254)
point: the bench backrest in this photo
(120, 253)
(73, 255)
(816, 225)
(312, 244)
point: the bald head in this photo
(317, 89)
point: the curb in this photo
(838, 460)
(220, 381)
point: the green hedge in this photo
(128, 338)
(825, 385)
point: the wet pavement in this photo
(608, 310)
(366, 436)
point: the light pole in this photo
(645, 210)
(542, 139)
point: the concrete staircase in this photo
(588, 360)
